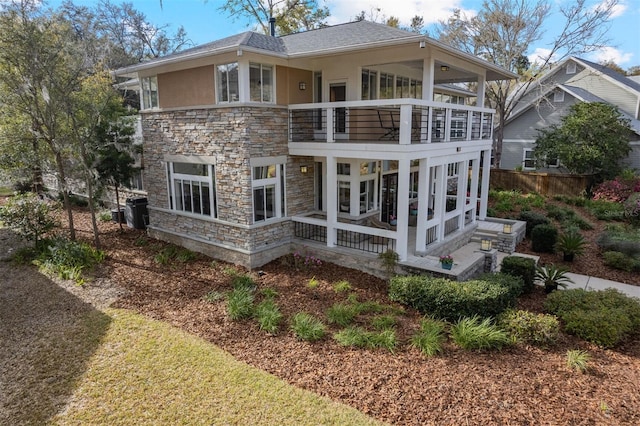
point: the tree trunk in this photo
(62, 181)
(498, 136)
(94, 223)
(118, 204)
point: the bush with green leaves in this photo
(29, 216)
(451, 300)
(341, 286)
(622, 261)
(68, 259)
(578, 360)
(622, 238)
(243, 282)
(430, 338)
(475, 333)
(606, 210)
(544, 238)
(268, 316)
(604, 317)
(307, 327)
(383, 322)
(523, 267)
(533, 219)
(529, 327)
(240, 303)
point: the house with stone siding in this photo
(343, 141)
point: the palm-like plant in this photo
(571, 244)
(552, 277)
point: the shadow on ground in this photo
(47, 336)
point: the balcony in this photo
(393, 121)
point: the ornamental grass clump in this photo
(307, 327)
(342, 314)
(430, 338)
(578, 360)
(268, 316)
(475, 333)
(240, 303)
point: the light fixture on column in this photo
(302, 85)
(444, 68)
(423, 44)
(507, 228)
(304, 170)
(485, 244)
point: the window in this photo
(402, 87)
(261, 83)
(571, 68)
(386, 86)
(528, 161)
(416, 89)
(267, 182)
(192, 188)
(136, 181)
(558, 96)
(228, 83)
(553, 162)
(369, 86)
(150, 92)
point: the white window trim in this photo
(171, 177)
(571, 68)
(148, 80)
(558, 96)
(524, 159)
(279, 182)
(273, 81)
(218, 84)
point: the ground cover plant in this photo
(391, 386)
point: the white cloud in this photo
(618, 10)
(612, 54)
(431, 10)
(540, 55)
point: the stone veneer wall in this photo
(231, 135)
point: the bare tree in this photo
(290, 15)
(505, 30)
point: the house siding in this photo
(187, 87)
(229, 138)
(607, 91)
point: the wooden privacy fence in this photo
(548, 184)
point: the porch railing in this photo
(451, 225)
(404, 121)
(362, 238)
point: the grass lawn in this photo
(147, 372)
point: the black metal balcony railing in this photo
(367, 121)
(345, 238)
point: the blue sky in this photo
(204, 22)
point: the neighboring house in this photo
(573, 80)
(254, 144)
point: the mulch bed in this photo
(521, 385)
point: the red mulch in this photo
(521, 385)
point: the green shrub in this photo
(474, 333)
(269, 293)
(240, 304)
(543, 238)
(184, 255)
(513, 284)
(605, 326)
(619, 260)
(342, 314)
(383, 322)
(528, 327)
(578, 360)
(29, 216)
(605, 210)
(533, 219)
(213, 296)
(522, 267)
(385, 339)
(429, 338)
(307, 327)
(557, 212)
(625, 239)
(68, 259)
(105, 216)
(603, 317)
(269, 316)
(452, 300)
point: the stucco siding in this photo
(190, 87)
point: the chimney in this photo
(272, 26)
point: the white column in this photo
(439, 206)
(484, 189)
(463, 178)
(428, 66)
(475, 172)
(332, 200)
(330, 135)
(405, 124)
(354, 187)
(423, 205)
(402, 233)
(243, 81)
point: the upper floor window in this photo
(369, 85)
(192, 188)
(261, 83)
(267, 182)
(386, 86)
(150, 92)
(402, 87)
(227, 88)
(558, 96)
